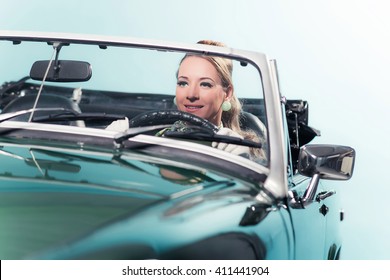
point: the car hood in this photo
(52, 196)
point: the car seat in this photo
(248, 121)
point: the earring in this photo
(174, 100)
(226, 106)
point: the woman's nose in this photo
(193, 93)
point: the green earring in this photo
(174, 100)
(226, 106)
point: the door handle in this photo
(323, 195)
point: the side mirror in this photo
(331, 162)
(61, 71)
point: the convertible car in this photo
(73, 186)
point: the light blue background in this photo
(333, 53)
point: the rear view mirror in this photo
(61, 71)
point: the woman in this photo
(205, 88)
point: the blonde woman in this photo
(205, 89)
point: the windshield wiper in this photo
(212, 137)
(64, 115)
(134, 131)
(68, 115)
(195, 133)
(8, 116)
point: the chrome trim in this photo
(276, 182)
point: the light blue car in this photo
(85, 174)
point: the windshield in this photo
(118, 81)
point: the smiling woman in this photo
(205, 88)
(200, 91)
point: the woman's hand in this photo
(231, 148)
(119, 125)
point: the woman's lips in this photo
(193, 108)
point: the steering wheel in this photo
(169, 117)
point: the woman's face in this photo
(199, 89)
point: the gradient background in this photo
(334, 53)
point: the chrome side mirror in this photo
(330, 162)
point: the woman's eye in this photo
(206, 84)
(182, 83)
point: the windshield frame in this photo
(272, 98)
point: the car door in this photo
(308, 222)
(317, 222)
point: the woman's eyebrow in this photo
(200, 79)
(209, 79)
